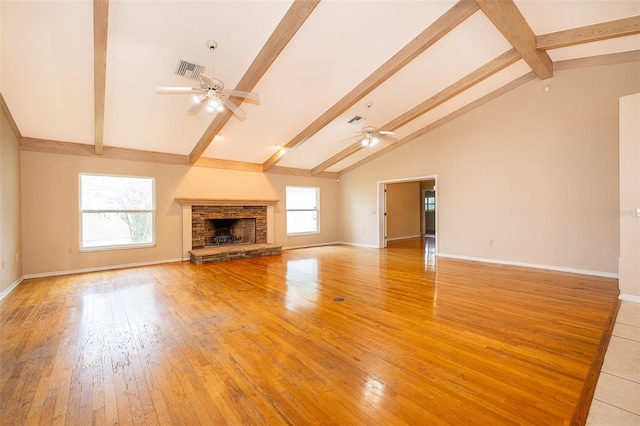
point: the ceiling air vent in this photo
(355, 119)
(189, 70)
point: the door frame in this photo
(382, 206)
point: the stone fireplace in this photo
(224, 225)
(218, 230)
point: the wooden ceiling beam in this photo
(509, 21)
(350, 150)
(284, 32)
(509, 57)
(589, 33)
(490, 68)
(87, 150)
(444, 120)
(596, 61)
(100, 32)
(443, 25)
(614, 58)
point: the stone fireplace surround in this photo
(200, 215)
(196, 210)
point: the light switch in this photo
(638, 212)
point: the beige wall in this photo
(630, 196)
(50, 208)
(10, 241)
(403, 210)
(528, 177)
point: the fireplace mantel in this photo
(223, 202)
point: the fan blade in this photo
(207, 80)
(385, 132)
(242, 94)
(234, 109)
(179, 90)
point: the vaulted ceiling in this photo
(80, 77)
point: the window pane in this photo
(301, 198)
(302, 221)
(116, 193)
(116, 229)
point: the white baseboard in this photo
(99, 268)
(310, 245)
(357, 245)
(9, 289)
(532, 265)
(629, 298)
(404, 238)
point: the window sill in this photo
(121, 247)
(303, 233)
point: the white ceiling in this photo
(47, 69)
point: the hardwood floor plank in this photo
(414, 339)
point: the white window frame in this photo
(316, 210)
(152, 243)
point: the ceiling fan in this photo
(212, 93)
(371, 136)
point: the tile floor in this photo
(616, 401)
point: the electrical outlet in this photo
(490, 242)
(70, 251)
(17, 257)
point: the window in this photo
(302, 210)
(116, 212)
(430, 203)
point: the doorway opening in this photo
(420, 208)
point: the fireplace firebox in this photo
(221, 232)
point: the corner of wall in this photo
(10, 211)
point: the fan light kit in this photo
(372, 136)
(370, 140)
(212, 92)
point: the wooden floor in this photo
(327, 335)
